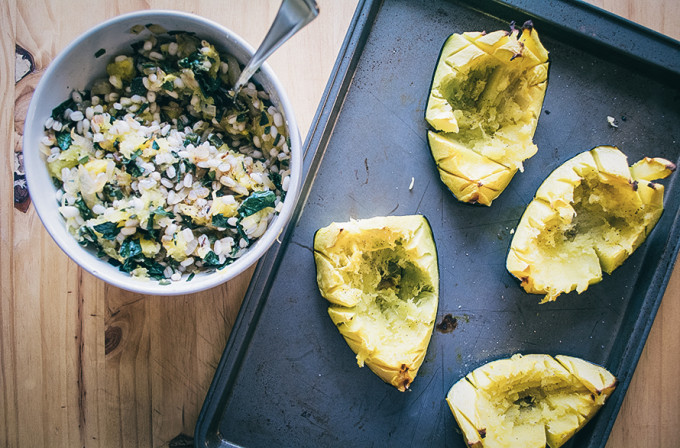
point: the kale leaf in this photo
(215, 141)
(137, 86)
(264, 119)
(257, 201)
(220, 220)
(159, 211)
(87, 237)
(84, 210)
(131, 167)
(242, 234)
(208, 179)
(64, 140)
(195, 62)
(58, 112)
(108, 230)
(112, 192)
(154, 269)
(211, 260)
(191, 138)
(130, 248)
(276, 180)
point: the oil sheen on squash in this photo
(381, 278)
(484, 103)
(528, 401)
(587, 217)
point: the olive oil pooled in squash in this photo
(483, 108)
(588, 216)
(381, 278)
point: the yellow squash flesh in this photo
(528, 401)
(486, 97)
(588, 216)
(381, 278)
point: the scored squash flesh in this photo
(528, 401)
(588, 216)
(484, 103)
(381, 278)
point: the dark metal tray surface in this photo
(287, 378)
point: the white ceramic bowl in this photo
(76, 68)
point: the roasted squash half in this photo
(484, 103)
(381, 278)
(588, 216)
(528, 401)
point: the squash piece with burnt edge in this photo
(588, 216)
(381, 278)
(528, 401)
(484, 103)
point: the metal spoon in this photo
(293, 15)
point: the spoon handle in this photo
(292, 16)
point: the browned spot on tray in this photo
(367, 171)
(448, 324)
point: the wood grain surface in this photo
(84, 364)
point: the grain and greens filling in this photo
(160, 169)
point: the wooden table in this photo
(86, 364)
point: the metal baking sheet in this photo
(287, 377)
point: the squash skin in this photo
(495, 394)
(486, 95)
(352, 261)
(588, 216)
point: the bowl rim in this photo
(36, 172)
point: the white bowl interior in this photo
(76, 68)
